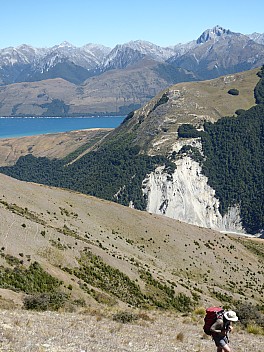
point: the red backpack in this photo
(212, 314)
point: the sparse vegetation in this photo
(96, 328)
(93, 271)
(255, 329)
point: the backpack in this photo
(212, 314)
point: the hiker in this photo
(220, 330)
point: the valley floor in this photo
(25, 331)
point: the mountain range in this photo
(67, 81)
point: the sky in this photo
(45, 23)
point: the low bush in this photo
(45, 301)
(249, 314)
(233, 91)
(125, 317)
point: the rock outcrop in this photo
(186, 196)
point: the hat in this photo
(230, 315)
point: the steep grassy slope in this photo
(52, 146)
(103, 253)
(156, 124)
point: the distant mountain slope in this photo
(64, 69)
(96, 252)
(217, 51)
(35, 98)
(113, 92)
(26, 63)
(130, 53)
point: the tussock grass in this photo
(199, 311)
(180, 336)
(255, 329)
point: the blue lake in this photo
(26, 126)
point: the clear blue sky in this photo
(44, 23)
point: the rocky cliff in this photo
(186, 196)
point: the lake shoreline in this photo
(27, 126)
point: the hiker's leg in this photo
(219, 349)
(226, 348)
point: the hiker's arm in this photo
(217, 327)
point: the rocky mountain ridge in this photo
(98, 58)
(216, 52)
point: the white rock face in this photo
(186, 196)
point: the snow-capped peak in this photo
(65, 44)
(131, 52)
(212, 33)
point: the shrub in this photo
(233, 91)
(163, 100)
(79, 302)
(124, 317)
(188, 131)
(239, 111)
(45, 301)
(180, 336)
(128, 117)
(249, 314)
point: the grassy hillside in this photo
(156, 124)
(79, 250)
(52, 146)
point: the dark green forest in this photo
(114, 172)
(233, 163)
(233, 149)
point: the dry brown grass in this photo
(22, 331)
(189, 258)
(55, 145)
